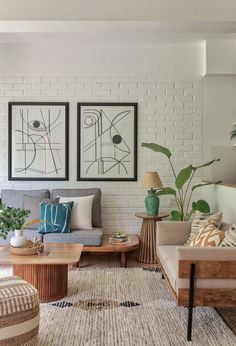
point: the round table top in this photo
(158, 217)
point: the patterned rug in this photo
(125, 307)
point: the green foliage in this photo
(182, 193)
(233, 133)
(175, 215)
(183, 177)
(11, 219)
(158, 148)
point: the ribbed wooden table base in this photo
(147, 249)
(51, 280)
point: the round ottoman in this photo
(19, 312)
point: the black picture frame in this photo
(134, 107)
(42, 176)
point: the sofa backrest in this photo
(96, 211)
(15, 198)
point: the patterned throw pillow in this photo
(32, 204)
(208, 236)
(202, 219)
(57, 217)
(230, 237)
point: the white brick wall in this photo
(169, 113)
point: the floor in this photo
(113, 260)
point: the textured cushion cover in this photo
(86, 237)
(15, 198)
(209, 235)
(81, 215)
(19, 312)
(168, 257)
(32, 204)
(230, 237)
(58, 216)
(96, 210)
(201, 219)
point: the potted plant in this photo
(183, 190)
(13, 219)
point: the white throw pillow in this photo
(81, 215)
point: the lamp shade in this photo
(151, 180)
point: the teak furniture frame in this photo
(192, 296)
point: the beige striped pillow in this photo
(208, 236)
(230, 237)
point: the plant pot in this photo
(19, 240)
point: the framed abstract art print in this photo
(107, 141)
(38, 140)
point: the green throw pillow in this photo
(57, 217)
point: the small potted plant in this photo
(13, 219)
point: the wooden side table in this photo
(147, 242)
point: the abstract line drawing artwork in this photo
(38, 141)
(107, 141)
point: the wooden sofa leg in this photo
(190, 302)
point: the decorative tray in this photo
(30, 249)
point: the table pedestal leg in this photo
(147, 248)
(123, 260)
(51, 280)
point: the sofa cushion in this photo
(29, 233)
(209, 235)
(81, 214)
(96, 210)
(168, 258)
(32, 204)
(15, 198)
(56, 217)
(86, 237)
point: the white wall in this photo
(164, 79)
(222, 198)
(101, 58)
(221, 57)
(219, 116)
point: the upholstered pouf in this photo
(19, 312)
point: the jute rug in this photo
(125, 307)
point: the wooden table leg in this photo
(147, 247)
(50, 280)
(123, 259)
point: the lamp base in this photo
(152, 203)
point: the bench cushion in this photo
(86, 237)
(15, 198)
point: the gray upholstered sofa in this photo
(15, 198)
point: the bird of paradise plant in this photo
(183, 190)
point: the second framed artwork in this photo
(107, 141)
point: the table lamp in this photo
(151, 181)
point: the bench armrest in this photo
(172, 232)
(215, 253)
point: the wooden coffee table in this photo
(122, 248)
(49, 274)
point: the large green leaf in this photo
(158, 148)
(205, 184)
(175, 215)
(206, 164)
(165, 191)
(201, 205)
(183, 176)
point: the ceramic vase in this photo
(19, 240)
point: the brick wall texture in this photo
(169, 113)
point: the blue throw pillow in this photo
(57, 217)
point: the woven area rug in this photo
(125, 307)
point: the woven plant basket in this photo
(29, 250)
